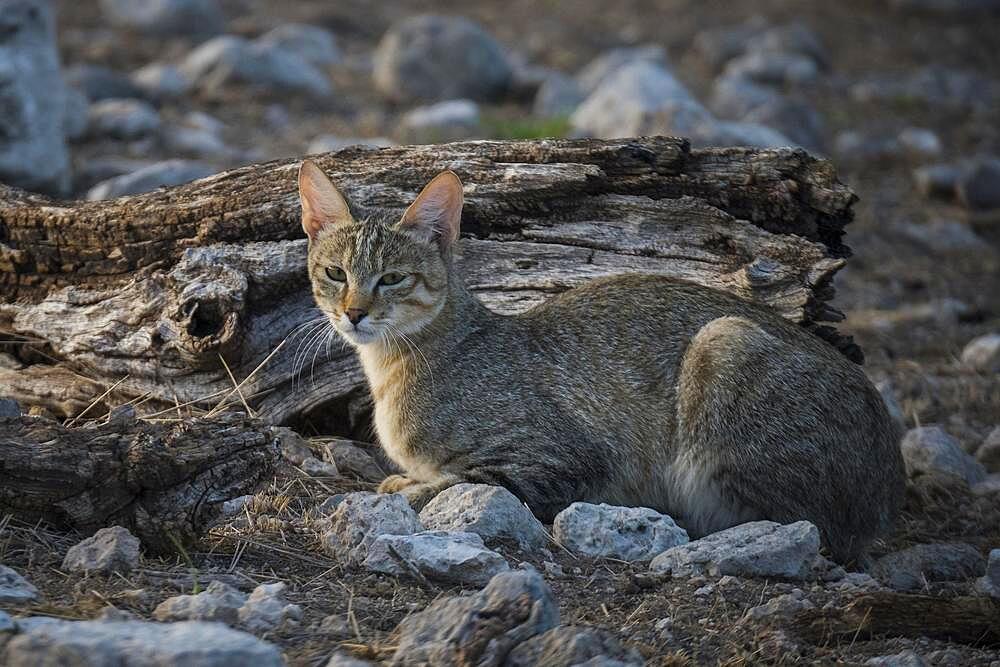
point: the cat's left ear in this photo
(436, 213)
(322, 203)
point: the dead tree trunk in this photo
(163, 481)
(154, 291)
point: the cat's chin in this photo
(359, 337)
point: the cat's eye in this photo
(336, 274)
(391, 278)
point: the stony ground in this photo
(921, 285)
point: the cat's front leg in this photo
(416, 493)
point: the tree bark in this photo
(154, 291)
(163, 481)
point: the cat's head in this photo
(379, 279)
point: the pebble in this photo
(570, 645)
(517, 603)
(122, 119)
(429, 58)
(492, 512)
(603, 66)
(450, 557)
(266, 609)
(158, 174)
(218, 602)
(361, 518)
(313, 44)
(108, 551)
(51, 641)
(15, 589)
(988, 453)
(161, 81)
(913, 568)
(756, 549)
(166, 17)
(624, 533)
(316, 468)
(929, 450)
(983, 353)
(443, 121)
(920, 142)
(990, 583)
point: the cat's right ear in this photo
(322, 204)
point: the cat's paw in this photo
(419, 495)
(395, 484)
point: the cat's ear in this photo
(436, 213)
(322, 203)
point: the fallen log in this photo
(177, 294)
(163, 481)
(966, 620)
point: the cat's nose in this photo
(355, 315)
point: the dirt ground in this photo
(891, 274)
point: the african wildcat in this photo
(633, 390)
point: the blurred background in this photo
(111, 97)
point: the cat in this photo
(635, 390)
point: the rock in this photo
(609, 62)
(236, 505)
(313, 44)
(892, 406)
(218, 602)
(906, 658)
(478, 628)
(797, 121)
(983, 353)
(331, 143)
(229, 60)
(937, 180)
(856, 582)
(945, 236)
(990, 583)
(569, 645)
(75, 115)
(267, 609)
(457, 558)
(720, 44)
(345, 454)
(987, 487)
(50, 641)
(122, 119)
(194, 142)
(156, 175)
(431, 58)
(792, 38)
(623, 103)
(9, 408)
(625, 533)
(316, 468)
(33, 152)
(161, 81)
(293, 446)
(783, 605)
(779, 69)
(107, 551)
(361, 518)
(988, 453)
(929, 450)
(165, 17)
(98, 82)
(913, 568)
(756, 549)
(15, 589)
(6, 625)
(340, 659)
(559, 95)
(492, 512)
(979, 187)
(933, 85)
(735, 97)
(920, 142)
(725, 133)
(444, 121)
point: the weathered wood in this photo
(967, 620)
(159, 288)
(162, 481)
